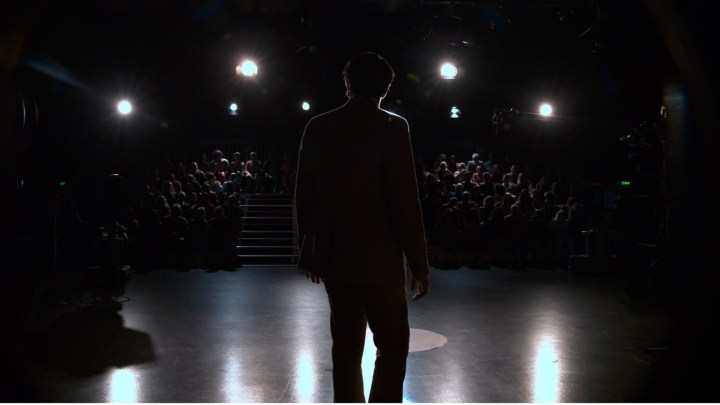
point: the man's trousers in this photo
(384, 308)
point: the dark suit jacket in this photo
(358, 210)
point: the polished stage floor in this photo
(261, 334)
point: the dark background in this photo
(607, 66)
(603, 65)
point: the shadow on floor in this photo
(79, 344)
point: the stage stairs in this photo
(268, 236)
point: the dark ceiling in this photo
(182, 50)
(597, 61)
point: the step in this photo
(266, 250)
(265, 208)
(267, 220)
(248, 260)
(269, 196)
(268, 202)
(267, 242)
(267, 227)
(251, 213)
(266, 234)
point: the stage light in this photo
(305, 106)
(248, 69)
(233, 109)
(454, 112)
(448, 71)
(124, 107)
(546, 110)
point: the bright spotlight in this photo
(305, 106)
(248, 68)
(124, 107)
(546, 110)
(454, 112)
(233, 108)
(448, 71)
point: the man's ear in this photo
(386, 92)
(348, 89)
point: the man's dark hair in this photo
(369, 75)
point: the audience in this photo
(497, 213)
(188, 214)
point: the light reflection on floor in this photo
(546, 372)
(123, 386)
(305, 382)
(232, 386)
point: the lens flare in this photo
(124, 107)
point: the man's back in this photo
(357, 194)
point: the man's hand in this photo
(421, 285)
(313, 277)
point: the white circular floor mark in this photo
(421, 340)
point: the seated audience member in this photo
(496, 173)
(537, 192)
(474, 161)
(195, 170)
(191, 184)
(437, 163)
(513, 173)
(237, 159)
(177, 184)
(522, 183)
(487, 208)
(228, 189)
(253, 165)
(442, 171)
(525, 203)
(212, 183)
(167, 190)
(452, 164)
(448, 183)
(487, 187)
(466, 181)
(508, 183)
(182, 201)
(499, 192)
(204, 201)
(457, 191)
(508, 200)
(460, 173)
(222, 171)
(477, 175)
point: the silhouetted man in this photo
(360, 226)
